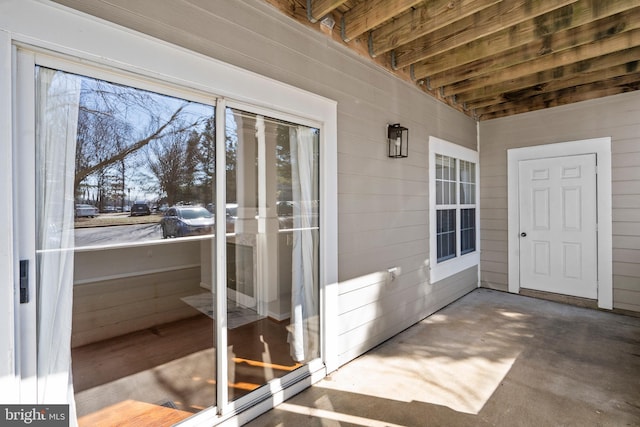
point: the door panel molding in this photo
(601, 147)
(566, 225)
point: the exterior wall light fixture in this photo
(398, 138)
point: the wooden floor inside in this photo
(173, 365)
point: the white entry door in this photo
(558, 220)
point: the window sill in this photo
(450, 267)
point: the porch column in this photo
(267, 218)
(246, 192)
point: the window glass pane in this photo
(452, 169)
(439, 166)
(445, 193)
(109, 160)
(467, 183)
(137, 154)
(451, 199)
(272, 248)
(467, 194)
(467, 231)
(467, 171)
(446, 234)
(445, 180)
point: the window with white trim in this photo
(453, 213)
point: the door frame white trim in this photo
(601, 147)
(9, 384)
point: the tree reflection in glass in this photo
(138, 146)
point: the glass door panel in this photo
(125, 250)
(272, 248)
(125, 246)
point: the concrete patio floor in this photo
(490, 358)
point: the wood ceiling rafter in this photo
(422, 20)
(569, 95)
(318, 9)
(467, 30)
(535, 37)
(549, 83)
(584, 57)
(491, 58)
(495, 102)
(369, 14)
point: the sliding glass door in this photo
(122, 181)
(134, 290)
(272, 248)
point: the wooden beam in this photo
(628, 83)
(569, 53)
(423, 19)
(540, 79)
(291, 8)
(588, 57)
(317, 9)
(368, 14)
(539, 36)
(489, 105)
(490, 20)
(581, 79)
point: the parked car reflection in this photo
(140, 208)
(180, 221)
(84, 211)
(231, 214)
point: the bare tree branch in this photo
(121, 155)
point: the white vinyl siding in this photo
(363, 324)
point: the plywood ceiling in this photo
(490, 58)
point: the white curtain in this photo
(57, 102)
(304, 335)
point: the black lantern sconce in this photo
(398, 139)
